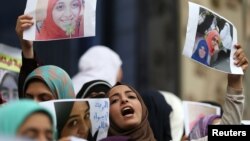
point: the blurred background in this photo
(149, 36)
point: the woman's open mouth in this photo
(127, 111)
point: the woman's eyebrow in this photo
(72, 116)
(116, 94)
(128, 91)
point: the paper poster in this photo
(10, 58)
(10, 63)
(60, 19)
(82, 118)
(193, 111)
(210, 40)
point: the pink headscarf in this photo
(50, 30)
(209, 38)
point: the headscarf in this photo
(13, 114)
(55, 78)
(99, 62)
(50, 30)
(142, 132)
(159, 114)
(200, 129)
(210, 35)
(93, 86)
(226, 36)
(195, 56)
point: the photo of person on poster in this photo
(64, 19)
(73, 119)
(8, 86)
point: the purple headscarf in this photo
(200, 129)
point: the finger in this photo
(25, 17)
(237, 53)
(237, 46)
(26, 26)
(244, 67)
(26, 21)
(241, 62)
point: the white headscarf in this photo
(226, 38)
(99, 62)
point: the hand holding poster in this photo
(210, 40)
(82, 118)
(60, 19)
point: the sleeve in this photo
(28, 65)
(233, 106)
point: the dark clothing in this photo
(159, 112)
(28, 65)
(117, 138)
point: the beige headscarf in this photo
(143, 132)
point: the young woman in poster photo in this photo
(64, 20)
(73, 119)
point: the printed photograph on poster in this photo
(210, 40)
(60, 19)
(194, 111)
(8, 85)
(90, 117)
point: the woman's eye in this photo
(60, 7)
(87, 116)
(114, 101)
(75, 4)
(132, 97)
(73, 123)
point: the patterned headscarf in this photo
(142, 132)
(55, 78)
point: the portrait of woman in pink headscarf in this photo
(213, 41)
(64, 19)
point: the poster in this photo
(193, 111)
(210, 40)
(60, 19)
(10, 63)
(82, 118)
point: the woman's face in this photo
(202, 52)
(78, 124)
(215, 43)
(65, 13)
(125, 107)
(8, 89)
(37, 126)
(39, 92)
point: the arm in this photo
(234, 101)
(29, 61)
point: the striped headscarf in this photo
(55, 78)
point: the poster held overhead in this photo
(210, 40)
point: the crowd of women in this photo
(133, 116)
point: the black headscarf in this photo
(93, 86)
(158, 116)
